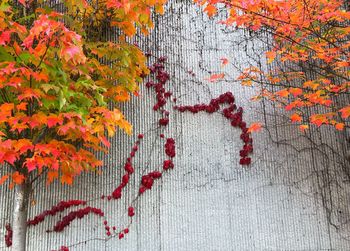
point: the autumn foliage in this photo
(309, 55)
(59, 73)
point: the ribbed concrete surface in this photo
(294, 196)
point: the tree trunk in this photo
(20, 213)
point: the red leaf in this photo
(31, 164)
(5, 37)
(53, 120)
(224, 61)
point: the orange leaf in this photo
(283, 93)
(311, 85)
(51, 175)
(345, 112)
(319, 119)
(296, 118)
(339, 126)
(303, 127)
(18, 178)
(21, 106)
(67, 179)
(211, 10)
(255, 127)
(3, 179)
(270, 55)
(295, 91)
(216, 77)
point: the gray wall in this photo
(293, 197)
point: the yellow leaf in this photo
(310, 84)
(303, 127)
(247, 82)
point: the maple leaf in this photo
(216, 77)
(318, 119)
(31, 164)
(6, 109)
(224, 61)
(73, 53)
(22, 106)
(10, 157)
(67, 179)
(105, 141)
(18, 178)
(311, 84)
(270, 55)
(29, 93)
(255, 127)
(51, 176)
(23, 2)
(14, 81)
(303, 127)
(113, 4)
(283, 93)
(40, 76)
(5, 37)
(339, 126)
(3, 179)
(345, 112)
(23, 145)
(53, 120)
(296, 118)
(296, 91)
(211, 10)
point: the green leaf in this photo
(4, 55)
(61, 99)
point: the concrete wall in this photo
(294, 196)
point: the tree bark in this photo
(20, 214)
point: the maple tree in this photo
(58, 75)
(308, 53)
